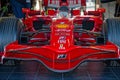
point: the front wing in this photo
(61, 61)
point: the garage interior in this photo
(33, 70)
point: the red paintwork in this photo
(76, 12)
(48, 54)
(62, 43)
(51, 12)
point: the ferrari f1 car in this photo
(61, 36)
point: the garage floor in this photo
(31, 70)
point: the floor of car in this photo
(31, 70)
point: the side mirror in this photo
(25, 10)
(101, 10)
(51, 12)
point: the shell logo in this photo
(62, 26)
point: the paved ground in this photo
(31, 70)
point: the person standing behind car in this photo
(17, 6)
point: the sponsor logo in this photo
(61, 46)
(62, 40)
(61, 56)
(62, 26)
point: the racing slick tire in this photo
(9, 31)
(112, 33)
(113, 30)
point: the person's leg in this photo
(28, 4)
(116, 10)
(17, 8)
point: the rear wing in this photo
(54, 3)
(69, 3)
(74, 3)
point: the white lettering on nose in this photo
(62, 39)
(61, 56)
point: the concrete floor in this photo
(31, 70)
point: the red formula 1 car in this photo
(61, 37)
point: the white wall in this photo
(110, 9)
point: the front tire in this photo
(9, 30)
